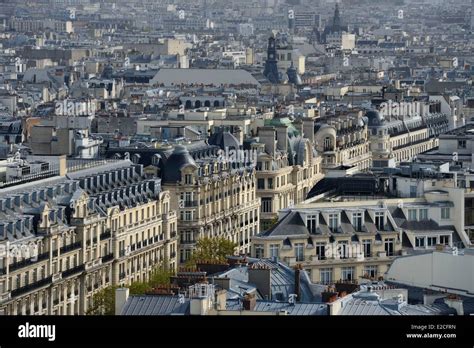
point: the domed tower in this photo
(293, 76)
(172, 169)
(379, 140)
(108, 72)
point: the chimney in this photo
(249, 302)
(328, 296)
(298, 281)
(121, 297)
(224, 283)
(456, 303)
(221, 300)
(199, 306)
(261, 277)
(282, 138)
(267, 136)
(62, 165)
(239, 134)
(308, 129)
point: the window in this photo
(325, 275)
(389, 246)
(431, 241)
(347, 273)
(270, 183)
(420, 242)
(357, 221)
(333, 222)
(311, 223)
(261, 184)
(412, 214)
(413, 191)
(274, 250)
(367, 244)
(266, 205)
(259, 251)
(299, 251)
(327, 144)
(445, 213)
(379, 220)
(321, 251)
(188, 179)
(423, 214)
(444, 240)
(371, 271)
(186, 215)
(461, 144)
(343, 249)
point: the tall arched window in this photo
(328, 144)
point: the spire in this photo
(336, 24)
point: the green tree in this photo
(160, 276)
(103, 302)
(214, 249)
(139, 288)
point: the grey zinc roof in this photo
(296, 309)
(291, 224)
(155, 305)
(170, 77)
(361, 307)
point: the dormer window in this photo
(188, 179)
(380, 220)
(312, 223)
(357, 221)
(333, 222)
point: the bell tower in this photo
(271, 69)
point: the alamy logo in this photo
(75, 108)
(400, 109)
(37, 331)
(237, 156)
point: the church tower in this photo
(336, 23)
(271, 69)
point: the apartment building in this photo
(342, 140)
(354, 239)
(398, 136)
(66, 237)
(214, 195)
(36, 25)
(287, 165)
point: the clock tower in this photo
(271, 70)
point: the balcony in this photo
(20, 264)
(5, 297)
(169, 216)
(188, 241)
(173, 234)
(189, 204)
(107, 258)
(31, 287)
(122, 275)
(92, 264)
(173, 255)
(106, 235)
(56, 277)
(73, 271)
(71, 247)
